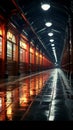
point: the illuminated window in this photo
(22, 55)
(9, 50)
(0, 42)
(0, 47)
(40, 59)
(0, 31)
(23, 44)
(14, 52)
(31, 50)
(11, 37)
(22, 51)
(31, 57)
(11, 46)
(0, 104)
(36, 57)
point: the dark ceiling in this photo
(30, 19)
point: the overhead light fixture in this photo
(53, 48)
(52, 45)
(48, 24)
(50, 34)
(45, 6)
(51, 40)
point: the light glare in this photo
(51, 40)
(52, 45)
(48, 24)
(50, 34)
(45, 6)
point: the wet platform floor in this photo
(45, 96)
(50, 103)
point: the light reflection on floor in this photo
(15, 98)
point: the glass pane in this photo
(0, 104)
(23, 44)
(24, 55)
(0, 47)
(36, 59)
(31, 58)
(21, 55)
(14, 52)
(40, 60)
(9, 50)
(11, 37)
(0, 31)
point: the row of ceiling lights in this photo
(45, 7)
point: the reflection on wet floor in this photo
(17, 97)
(45, 96)
(50, 103)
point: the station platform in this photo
(54, 102)
(44, 96)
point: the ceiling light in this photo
(51, 40)
(45, 6)
(48, 24)
(50, 34)
(53, 48)
(52, 45)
